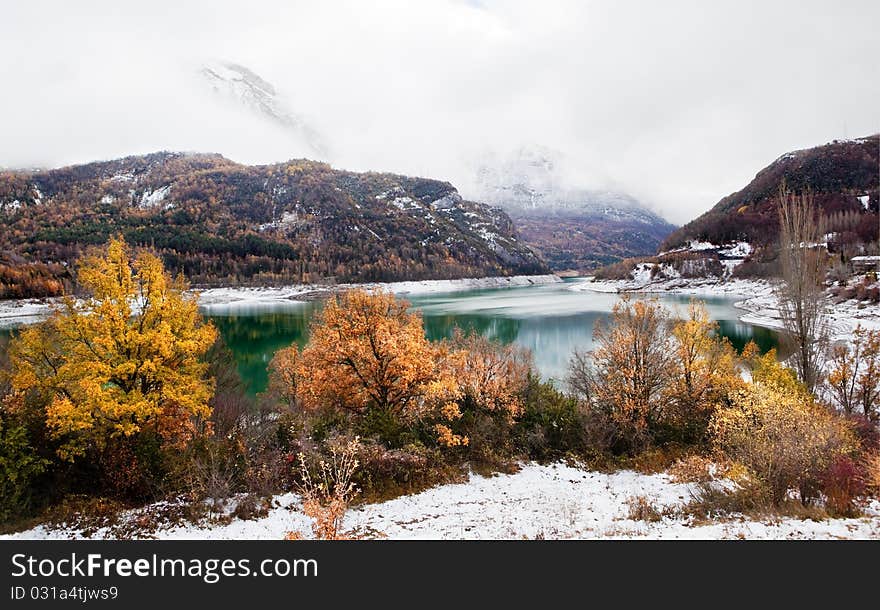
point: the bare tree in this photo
(802, 295)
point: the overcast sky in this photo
(679, 103)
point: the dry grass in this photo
(327, 494)
(748, 499)
(641, 509)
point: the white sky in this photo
(679, 103)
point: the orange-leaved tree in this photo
(368, 352)
(628, 373)
(491, 380)
(368, 356)
(125, 359)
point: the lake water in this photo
(550, 320)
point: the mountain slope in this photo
(220, 222)
(843, 176)
(573, 229)
(739, 236)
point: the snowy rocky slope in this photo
(573, 228)
(240, 86)
(224, 223)
(540, 501)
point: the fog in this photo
(677, 103)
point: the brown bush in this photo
(786, 441)
(327, 493)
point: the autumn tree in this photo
(368, 355)
(123, 360)
(704, 372)
(628, 373)
(283, 374)
(490, 380)
(802, 293)
(854, 379)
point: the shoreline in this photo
(302, 293)
(759, 302)
(16, 312)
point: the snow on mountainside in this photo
(842, 175)
(574, 228)
(225, 223)
(238, 84)
(739, 237)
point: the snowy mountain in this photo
(573, 228)
(237, 84)
(224, 223)
(739, 236)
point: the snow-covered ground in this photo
(759, 302)
(226, 296)
(843, 318)
(540, 501)
(25, 311)
(689, 286)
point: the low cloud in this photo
(679, 103)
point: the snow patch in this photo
(403, 203)
(151, 199)
(447, 202)
(554, 501)
(740, 249)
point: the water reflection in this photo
(552, 321)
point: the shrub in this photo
(697, 469)
(843, 482)
(872, 472)
(641, 509)
(19, 466)
(747, 496)
(553, 425)
(786, 441)
(327, 493)
(212, 470)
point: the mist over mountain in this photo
(574, 228)
(238, 85)
(739, 236)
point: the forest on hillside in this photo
(221, 223)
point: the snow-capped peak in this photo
(239, 84)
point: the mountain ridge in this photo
(837, 173)
(575, 229)
(224, 223)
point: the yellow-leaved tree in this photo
(776, 429)
(125, 359)
(705, 373)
